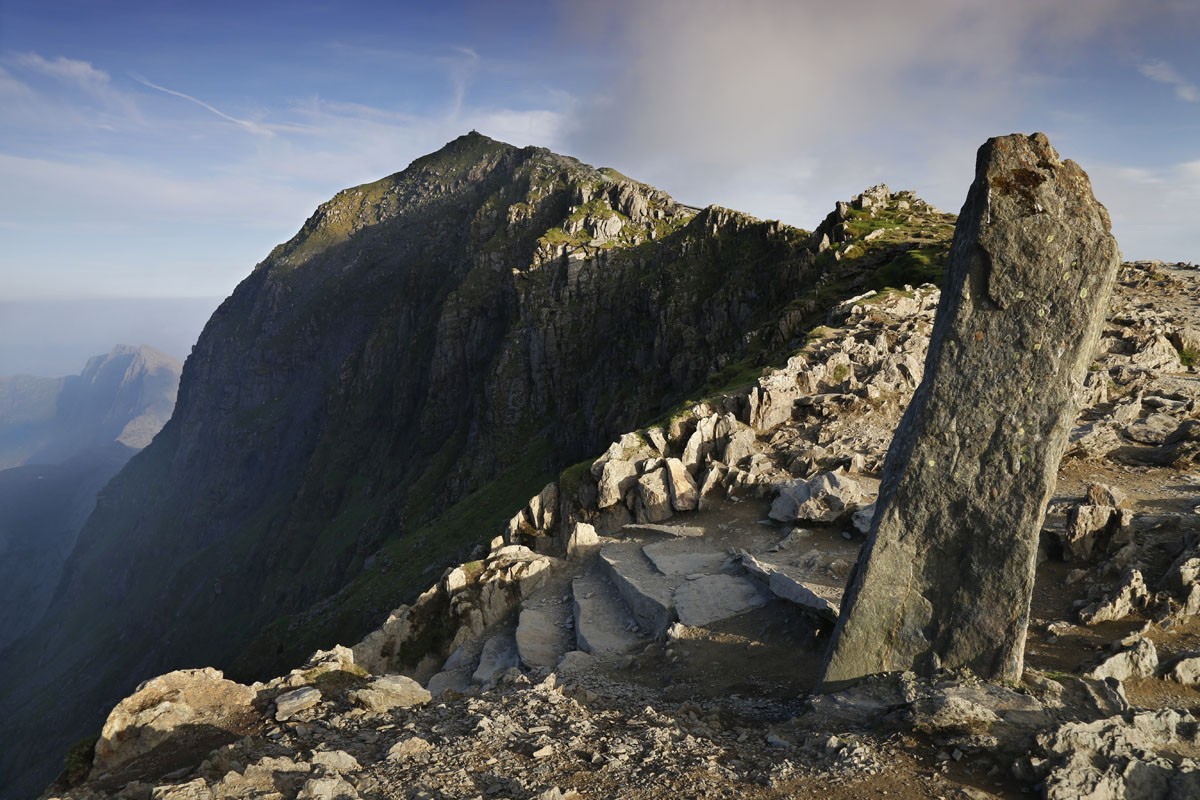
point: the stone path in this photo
(728, 561)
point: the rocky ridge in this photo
(387, 385)
(573, 656)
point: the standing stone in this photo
(947, 571)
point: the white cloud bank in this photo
(780, 108)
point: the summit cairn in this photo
(946, 574)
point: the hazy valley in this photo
(61, 441)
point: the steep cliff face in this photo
(422, 356)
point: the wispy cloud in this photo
(76, 186)
(1162, 72)
(67, 70)
(713, 96)
(462, 67)
(252, 127)
(30, 97)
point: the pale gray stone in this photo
(647, 592)
(161, 706)
(1139, 661)
(408, 748)
(290, 703)
(583, 541)
(826, 498)
(682, 489)
(498, 656)
(1186, 670)
(654, 499)
(946, 575)
(824, 601)
(602, 620)
(1127, 598)
(391, 691)
(331, 787)
(541, 638)
(713, 598)
(335, 761)
(681, 557)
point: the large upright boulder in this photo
(946, 574)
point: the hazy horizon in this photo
(35, 338)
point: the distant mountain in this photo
(125, 396)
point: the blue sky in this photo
(162, 149)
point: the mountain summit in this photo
(387, 388)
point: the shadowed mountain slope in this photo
(382, 392)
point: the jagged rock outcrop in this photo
(472, 324)
(1130, 757)
(548, 719)
(947, 573)
(194, 703)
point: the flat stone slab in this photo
(684, 531)
(825, 601)
(680, 557)
(716, 597)
(647, 592)
(602, 620)
(542, 635)
(296, 701)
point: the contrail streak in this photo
(250, 126)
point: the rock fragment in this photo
(684, 495)
(1130, 596)
(408, 748)
(826, 498)
(291, 703)
(390, 691)
(583, 540)
(1138, 661)
(1131, 758)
